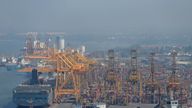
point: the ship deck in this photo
(32, 88)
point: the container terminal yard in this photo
(62, 77)
(95, 54)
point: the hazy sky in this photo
(81, 16)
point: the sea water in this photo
(8, 81)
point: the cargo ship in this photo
(34, 92)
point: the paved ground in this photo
(134, 106)
(68, 105)
(63, 105)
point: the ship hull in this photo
(11, 66)
(34, 96)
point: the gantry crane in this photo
(89, 65)
(66, 65)
(177, 88)
(29, 44)
(173, 81)
(152, 83)
(113, 82)
(135, 78)
(35, 47)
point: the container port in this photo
(95, 54)
(69, 78)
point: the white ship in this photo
(11, 64)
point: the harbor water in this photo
(9, 80)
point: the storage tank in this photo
(60, 43)
(82, 50)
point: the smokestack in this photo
(34, 79)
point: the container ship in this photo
(35, 92)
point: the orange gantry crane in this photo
(173, 86)
(152, 84)
(135, 78)
(113, 81)
(67, 65)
